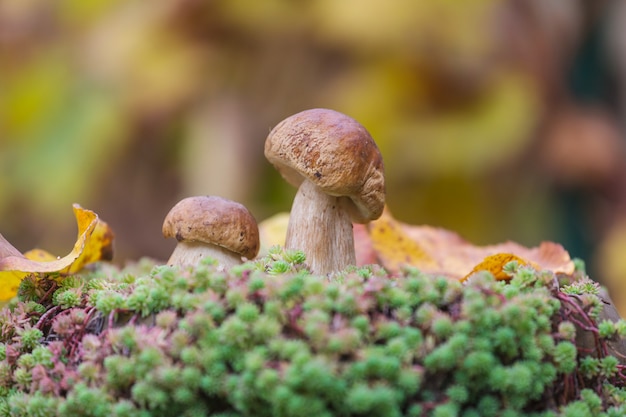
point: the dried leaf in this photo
(6, 249)
(363, 248)
(40, 255)
(98, 247)
(94, 243)
(394, 248)
(10, 283)
(440, 251)
(495, 264)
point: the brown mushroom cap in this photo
(336, 153)
(216, 221)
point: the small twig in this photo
(132, 320)
(111, 320)
(568, 299)
(45, 316)
(582, 325)
(50, 290)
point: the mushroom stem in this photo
(191, 253)
(321, 228)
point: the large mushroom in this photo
(339, 171)
(209, 226)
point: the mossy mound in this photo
(268, 339)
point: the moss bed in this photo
(267, 338)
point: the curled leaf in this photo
(98, 247)
(6, 249)
(94, 242)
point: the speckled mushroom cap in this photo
(336, 153)
(216, 221)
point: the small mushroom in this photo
(339, 171)
(209, 226)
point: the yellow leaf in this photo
(98, 246)
(86, 221)
(10, 283)
(394, 248)
(39, 255)
(94, 243)
(11, 279)
(495, 264)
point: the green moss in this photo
(268, 339)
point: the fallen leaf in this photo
(10, 283)
(39, 255)
(495, 264)
(363, 248)
(441, 251)
(394, 248)
(94, 242)
(98, 247)
(6, 249)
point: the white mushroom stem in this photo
(189, 253)
(321, 228)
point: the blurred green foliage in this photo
(127, 106)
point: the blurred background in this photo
(499, 119)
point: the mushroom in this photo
(339, 171)
(209, 226)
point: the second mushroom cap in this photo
(215, 221)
